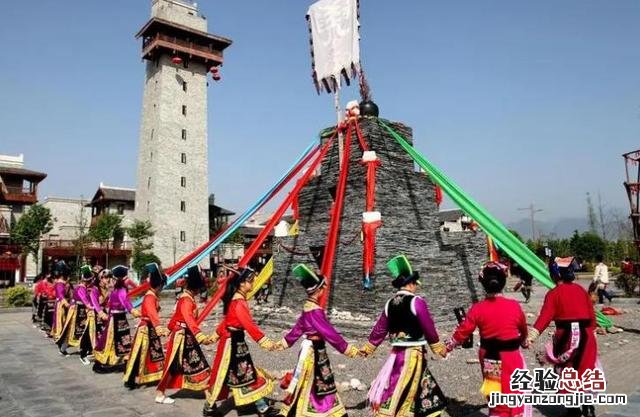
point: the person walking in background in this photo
(601, 279)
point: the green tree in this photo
(83, 238)
(141, 233)
(28, 230)
(587, 245)
(107, 228)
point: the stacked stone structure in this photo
(448, 262)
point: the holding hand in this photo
(162, 331)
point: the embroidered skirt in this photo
(146, 359)
(234, 373)
(186, 366)
(47, 316)
(116, 342)
(59, 317)
(312, 392)
(411, 390)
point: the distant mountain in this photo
(560, 228)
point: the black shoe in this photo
(210, 410)
(270, 412)
(588, 411)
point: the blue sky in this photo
(517, 101)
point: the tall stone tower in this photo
(172, 187)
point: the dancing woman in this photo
(185, 365)
(147, 358)
(116, 338)
(312, 391)
(233, 372)
(405, 386)
(503, 330)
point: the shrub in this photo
(18, 296)
(627, 283)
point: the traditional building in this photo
(18, 190)
(172, 191)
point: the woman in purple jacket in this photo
(405, 385)
(61, 272)
(312, 391)
(115, 343)
(79, 326)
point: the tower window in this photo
(148, 204)
(184, 86)
(149, 182)
(183, 181)
(183, 206)
(185, 63)
(120, 208)
(183, 236)
(183, 158)
(151, 156)
(184, 110)
(184, 134)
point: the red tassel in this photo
(439, 195)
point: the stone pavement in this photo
(36, 381)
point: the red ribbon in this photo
(369, 245)
(273, 221)
(336, 214)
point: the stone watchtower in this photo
(172, 190)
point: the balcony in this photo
(67, 247)
(23, 195)
(207, 53)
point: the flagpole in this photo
(336, 103)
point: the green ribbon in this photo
(517, 250)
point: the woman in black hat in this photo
(146, 360)
(80, 322)
(185, 366)
(61, 272)
(116, 338)
(233, 372)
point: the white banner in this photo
(335, 42)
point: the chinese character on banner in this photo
(593, 380)
(569, 380)
(545, 380)
(521, 380)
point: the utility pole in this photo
(532, 213)
(602, 225)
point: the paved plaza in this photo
(36, 381)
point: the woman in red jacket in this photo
(503, 330)
(574, 342)
(233, 372)
(146, 359)
(186, 366)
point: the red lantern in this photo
(176, 60)
(216, 77)
(214, 70)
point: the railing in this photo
(179, 42)
(71, 243)
(19, 194)
(9, 248)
